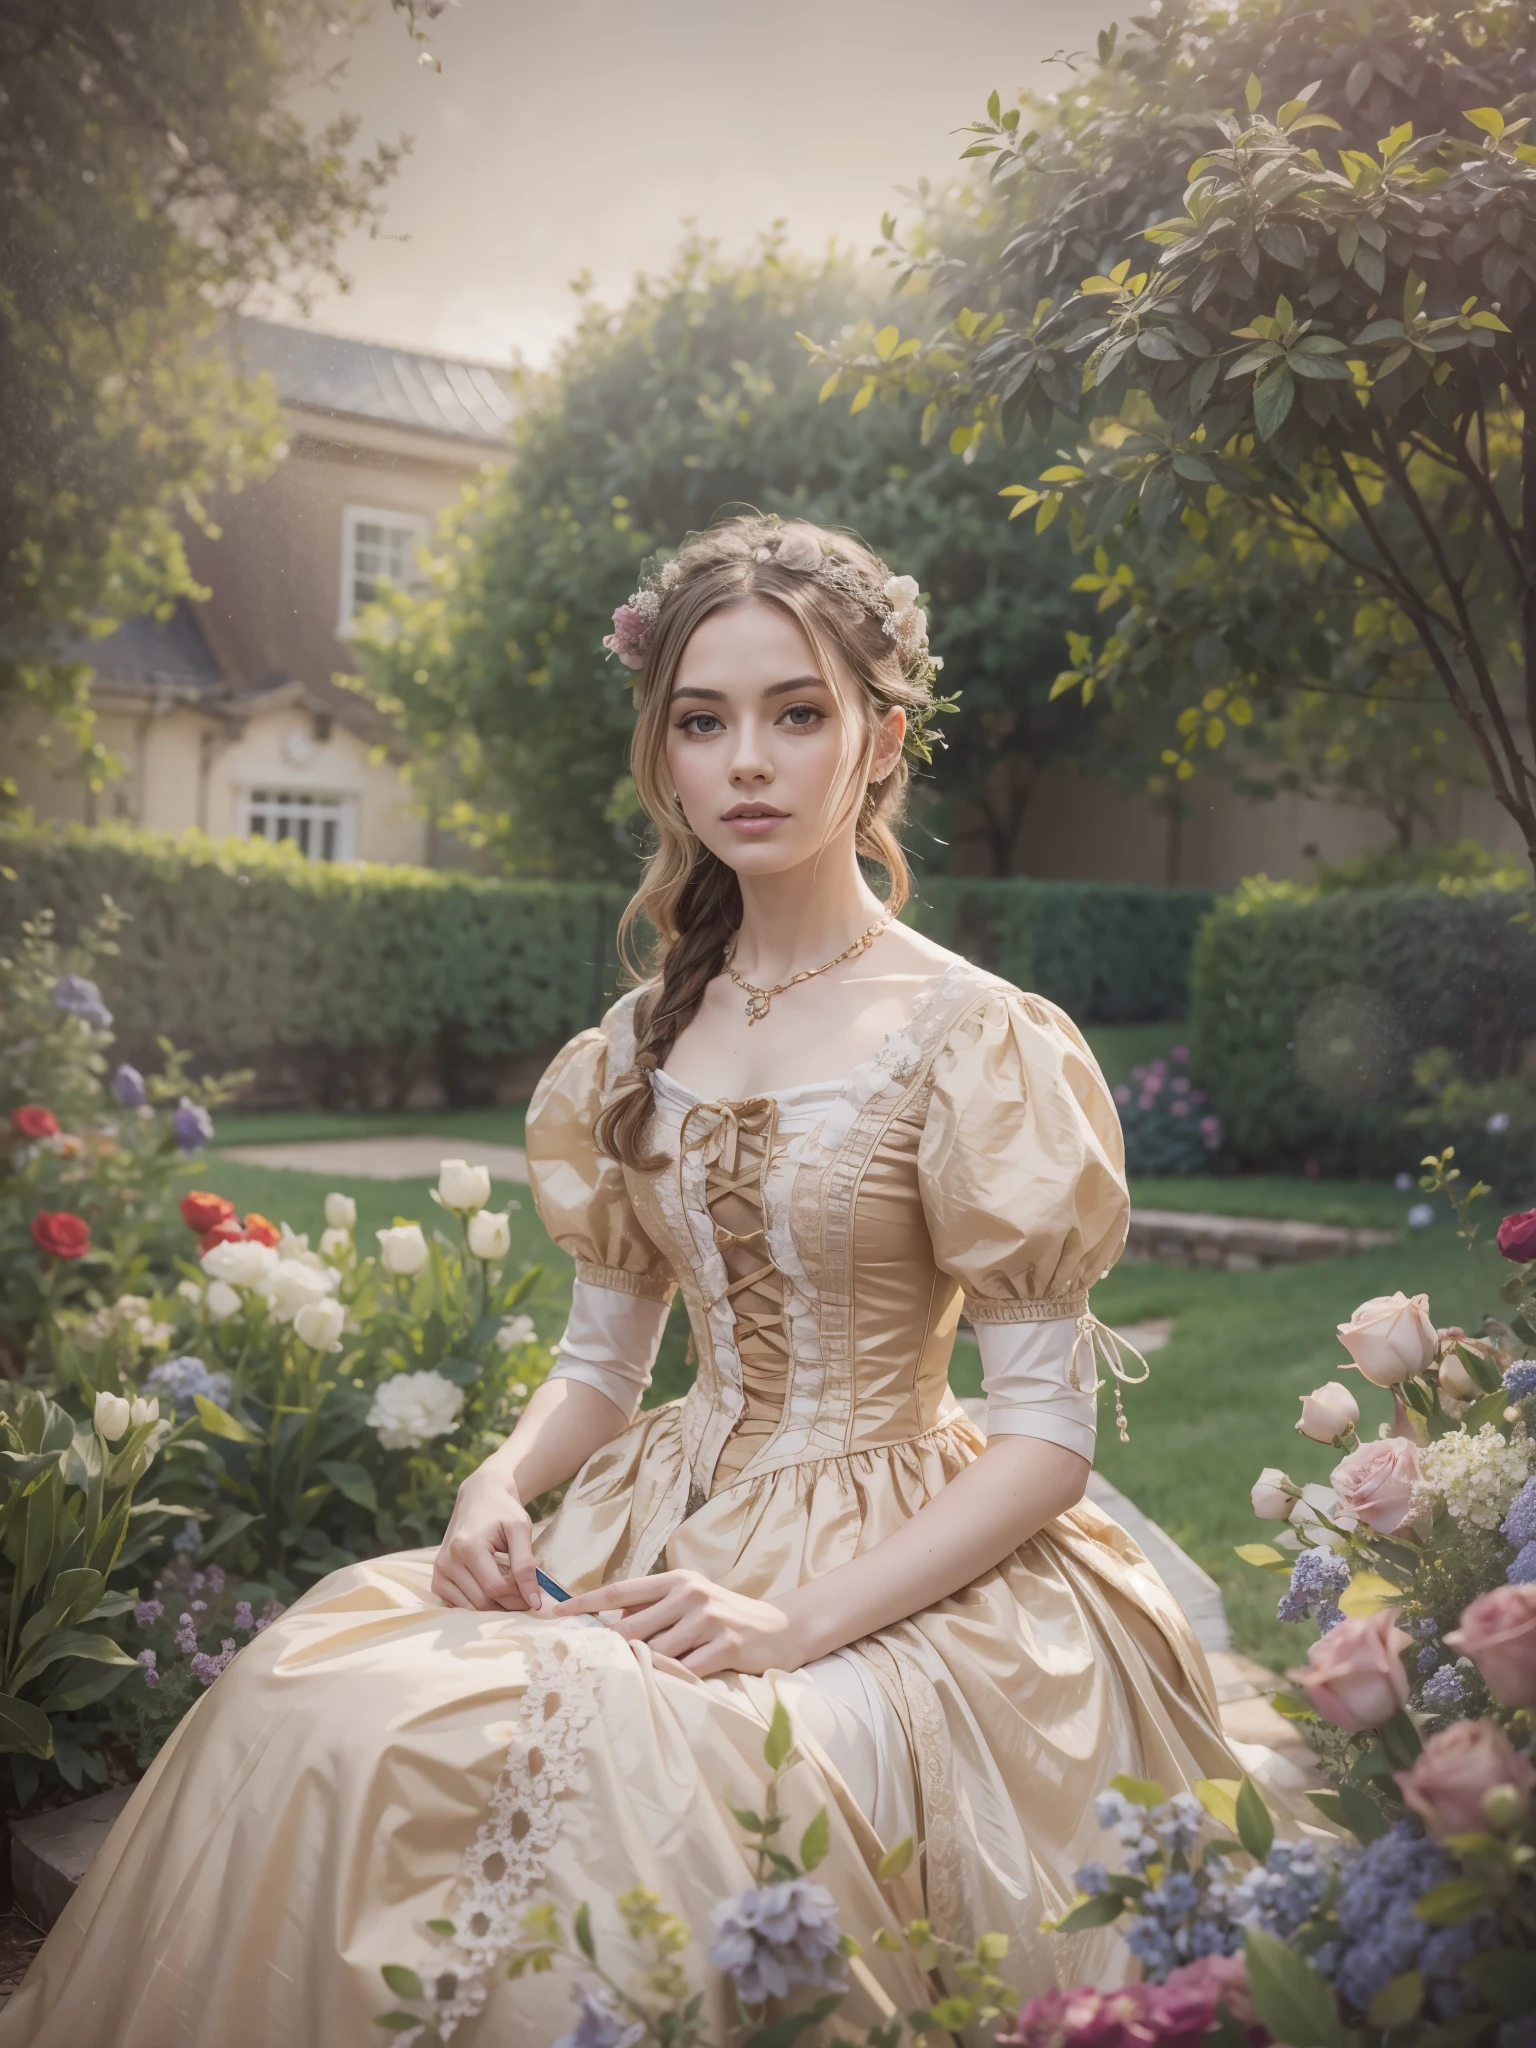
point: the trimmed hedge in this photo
(1308, 1014)
(1107, 952)
(356, 984)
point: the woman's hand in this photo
(704, 1627)
(488, 1518)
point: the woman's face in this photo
(767, 759)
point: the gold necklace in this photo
(758, 999)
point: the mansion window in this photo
(320, 826)
(376, 548)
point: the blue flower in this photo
(1443, 1693)
(1381, 1935)
(1521, 1570)
(78, 997)
(1520, 1379)
(192, 1124)
(602, 2023)
(128, 1087)
(1092, 1879)
(776, 1936)
(1318, 1577)
(183, 1379)
(1520, 1523)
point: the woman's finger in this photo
(624, 1593)
(691, 1632)
(520, 1580)
(644, 1622)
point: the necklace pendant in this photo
(757, 1006)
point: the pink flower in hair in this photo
(631, 635)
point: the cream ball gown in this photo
(376, 1760)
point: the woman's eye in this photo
(701, 723)
(802, 716)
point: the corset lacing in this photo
(737, 1146)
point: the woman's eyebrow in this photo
(773, 689)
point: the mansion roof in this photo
(332, 373)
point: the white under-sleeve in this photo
(610, 1343)
(1026, 1377)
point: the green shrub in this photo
(1311, 1014)
(1107, 952)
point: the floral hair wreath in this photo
(893, 601)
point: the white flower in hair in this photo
(900, 593)
(799, 550)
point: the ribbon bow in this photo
(1108, 1345)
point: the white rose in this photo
(490, 1234)
(335, 1243)
(223, 1302)
(516, 1330)
(320, 1324)
(340, 1212)
(462, 1187)
(900, 593)
(403, 1249)
(1390, 1337)
(412, 1408)
(1456, 1381)
(240, 1265)
(1306, 1517)
(1272, 1495)
(292, 1285)
(142, 1410)
(1328, 1413)
(112, 1417)
(291, 1245)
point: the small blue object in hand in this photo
(547, 1585)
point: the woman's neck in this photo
(800, 919)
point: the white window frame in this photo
(279, 793)
(352, 517)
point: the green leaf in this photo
(1273, 396)
(780, 1738)
(816, 1841)
(896, 1860)
(1255, 1828)
(1489, 119)
(1292, 2000)
(581, 1927)
(219, 1422)
(403, 1982)
(1353, 1809)
(24, 1730)
(1506, 1979)
(233, 1524)
(1253, 92)
(444, 1927)
(1448, 1904)
(352, 1482)
(1219, 1798)
(1262, 1554)
(1095, 1912)
(1140, 1791)
(1397, 2003)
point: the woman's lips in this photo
(755, 825)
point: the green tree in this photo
(1320, 354)
(152, 177)
(691, 398)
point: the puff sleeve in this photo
(1021, 1163)
(578, 1191)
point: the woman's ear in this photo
(891, 733)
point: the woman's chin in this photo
(764, 853)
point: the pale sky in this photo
(581, 135)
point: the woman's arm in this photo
(564, 1423)
(1016, 1486)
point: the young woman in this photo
(830, 1135)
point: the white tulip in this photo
(142, 1410)
(112, 1417)
(1272, 1495)
(1328, 1413)
(244, 1264)
(1391, 1337)
(490, 1234)
(320, 1324)
(403, 1249)
(340, 1212)
(412, 1408)
(336, 1243)
(516, 1330)
(292, 1284)
(223, 1302)
(462, 1187)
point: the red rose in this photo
(1517, 1237)
(226, 1231)
(58, 1232)
(34, 1122)
(260, 1231)
(201, 1211)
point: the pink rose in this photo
(1086, 2018)
(1187, 2001)
(1354, 1675)
(1390, 1337)
(1328, 1413)
(1457, 1769)
(1376, 1483)
(1517, 1237)
(1498, 1632)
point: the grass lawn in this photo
(1224, 1391)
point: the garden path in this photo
(411, 1155)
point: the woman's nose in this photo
(751, 761)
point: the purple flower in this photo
(1443, 1693)
(1122, 1093)
(148, 1612)
(1180, 1086)
(78, 997)
(1520, 1523)
(151, 1673)
(1179, 1053)
(192, 1124)
(1497, 1124)
(186, 1636)
(128, 1087)
(269, 1613)
(776, 1936)
(1318, 1577)
(1403, 1183)
(602, 2024)
(188, 1541)
(1521, 1570)
(1520, 1379)
(206, 1668)
(1381, 1934)
(1178, 1107)
(183, 1379)
(1092, 1879)
(245, 1620)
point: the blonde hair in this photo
(689, 895)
